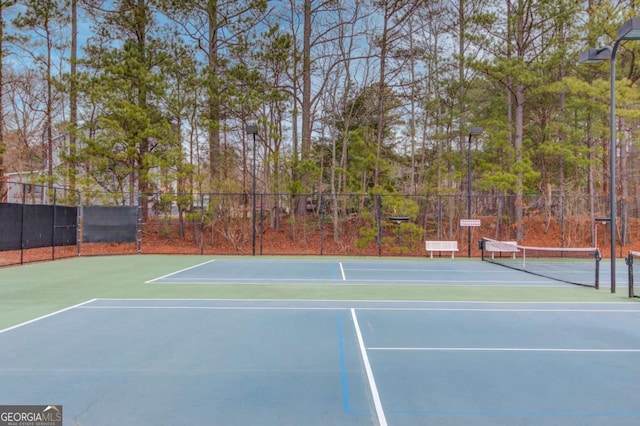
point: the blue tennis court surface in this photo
(354, 272)
(196, 362)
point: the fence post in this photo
(24, 194)
(201, 227)
(562, 223)
(53, 226)
(139, 230)
(261, 220)
(79, 224)
(439, 217)
(379, 216)
(321, 215)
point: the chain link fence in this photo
(39, 223)
(360, 224)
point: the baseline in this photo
(79, 305)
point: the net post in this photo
(629, 261)
(598, 257)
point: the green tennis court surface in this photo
(147, 340)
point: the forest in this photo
(169, 100)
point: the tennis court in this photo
(294, 362)
(142, 340)
(358, 272)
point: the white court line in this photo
(47, 316)
(558, 307)
(448, 283)
(410, 302)
(524, 310)
(367, 366)
(342, 308)
(344, 278)
(247, 280)
(503, 350)
(220, 308)
(181, 270)
(443, 270)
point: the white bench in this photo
(502, 247)
(432, 246)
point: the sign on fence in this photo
(469, 222)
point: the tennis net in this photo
(633, 265)
(580, 266)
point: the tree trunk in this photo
(381, 90)
(3, 186)
(73, 100)
(213, 92)
(624, 188)
(143, 167)
(305, 151)
(518, 140)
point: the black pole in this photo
(24, 199)
(598, 256)
(201, 225)
(379, 217)
(440, 217)
(53, 227)
(261, 220)
(79, 223)
(139, 224)
(253, 215)
(469, 196)
(612, 160)
(321, 215)
(629, 262)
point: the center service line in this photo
(344, 278)
(367, 366)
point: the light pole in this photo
(474, 131)
(252, 129)
(630, 30)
